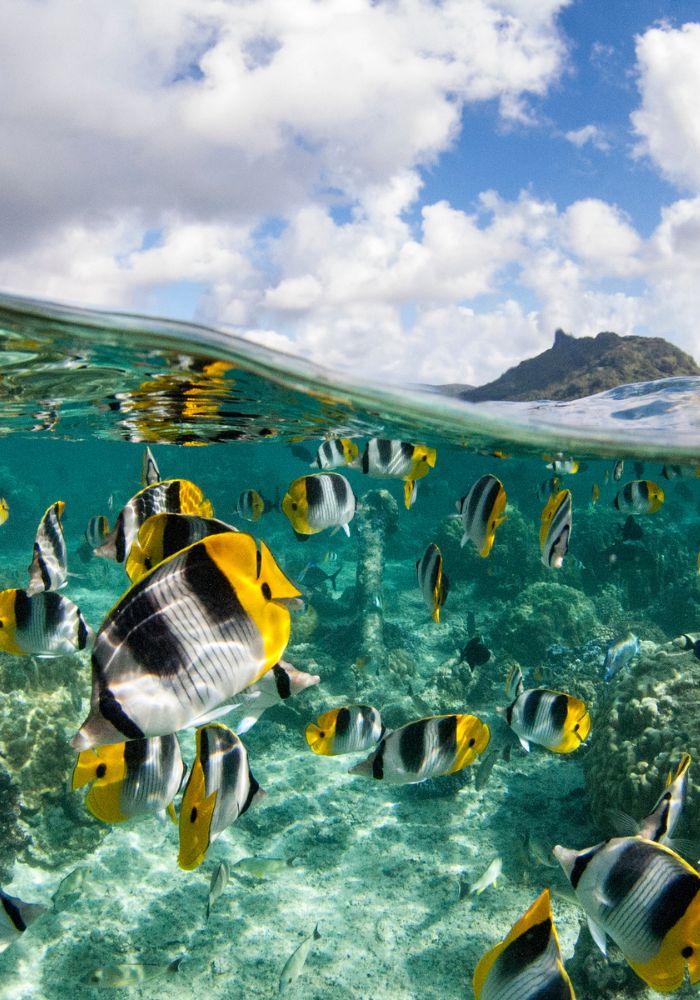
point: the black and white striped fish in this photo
(44, 624)
(150, 473)
(432, 580)
(48, 569)
(220, 788)
(318, 501)
(552, 719)
(427, 748)
(278, 684)
(200, 627)
(663, 819)
(335, 453)
(163, 535)
(647, 899)
(527, 964)
(555, 529)
(640, 496)
(482, 510)
(15, 917)
(97, 531)
(345, 730)
(385, 458)
(172, 496)
(131, 779)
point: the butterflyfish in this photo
(171, 496)
(427, 748)
(97, 531)
(660, 823)
(15, 917)
(318, 501)
(45, 624)
(563, 466)
(482, 510)
(618, 469)
(595, 493)
(527, 964)
(200, 627)
(555, 529)
(4, 510)
(130, 779)
(335, 453)
(220, 788)
(647, 899)
(432, 580)
(345, 730)
(274, 687)
(48, 569)
(162, 535)
(551, 719)
(641, 496)
(251, 505)
(150, 473)
(384, 458)
(295, 963)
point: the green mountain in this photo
(581, 366)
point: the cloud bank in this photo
(264, 162)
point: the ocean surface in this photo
(384, 871)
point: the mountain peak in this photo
(581, 366)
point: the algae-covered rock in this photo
(544, 613)
(651, 717)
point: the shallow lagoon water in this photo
(384, 871)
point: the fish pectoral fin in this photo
(346, 529)
(249, 720)
(623, 824)
(598, 935)
(524, 744)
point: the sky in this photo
(404, 189)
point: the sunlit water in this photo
(384, 871)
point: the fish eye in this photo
(147, 563)
(101, 770)
(576, 727)
(321, 734)
(193, 814)
(266, 592)
(294, 506)
(472, 741)
(687, 951)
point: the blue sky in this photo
(422, 190)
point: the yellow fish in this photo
(4, 510)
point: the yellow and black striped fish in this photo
(335, 453)
(555, 529)
(527, 964)
(661, 822)
(43, 624)
(220, 788)
(172, 496)
(640, 496)
(48, 569)
(432, 580)
(252, 505)
(97, 531)
(131, 779)
(427, 748)
(200, 627)
(318, 501)
(385, 458)
(482, 510)
(552, 719)
(163, 535)
(345, 730)
(647, 899)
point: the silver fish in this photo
(219, 880)
(490, 876)
(295, 963)
(130, 974)
(262, 867)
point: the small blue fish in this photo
(619, 654)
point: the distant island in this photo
(581, 366)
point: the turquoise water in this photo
(383, 870)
